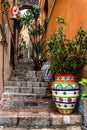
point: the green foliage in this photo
(36, 30)
(39, 47)
(45, 22)
(35, 11)
(26, 19)
(60, 20)
(3, 30)
(67, 56)
(83, 82)
(31, 14)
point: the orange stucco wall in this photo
(74, 12)
(7, 66)
(50, 2)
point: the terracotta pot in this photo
(65, 92)
(38, 63)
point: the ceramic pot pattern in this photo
(65, 92)
(47, 76)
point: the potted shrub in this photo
(67, 58)
(39, 58)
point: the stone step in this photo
(27, 84)
(67, 128)
(21, 64)
(31, 90)
(18, 72)
(26, 72)
(23, 67)
(39, 120)
(25, 78)
(20, 96)
(27, 105)
(25, 61)
(28, 63)
(29, 75)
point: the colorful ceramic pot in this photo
(47, 76)
(65, 92)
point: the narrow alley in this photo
(43, 65)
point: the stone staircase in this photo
(27, 103)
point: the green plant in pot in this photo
(83, 82)
(35, 30)
(67, 58)
(35, 35)
(38, 46)
(30, 20)
(39, 58)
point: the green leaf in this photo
(84, 96)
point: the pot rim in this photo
(63, 75)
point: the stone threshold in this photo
(40, 119)
(29, 110)
(68, 128)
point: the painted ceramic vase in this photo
(65, 92)
(47, 76)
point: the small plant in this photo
(67, 56)
(39, 48)
(83, 82)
